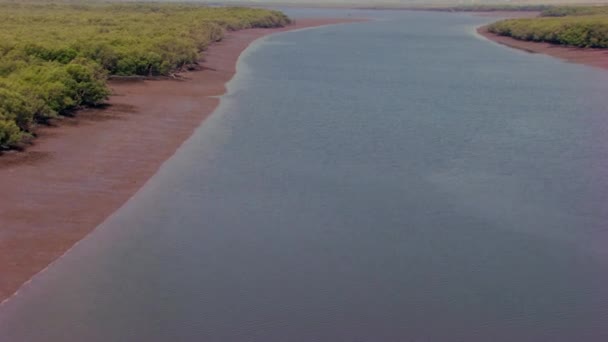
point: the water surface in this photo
(396, 180)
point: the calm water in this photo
(396, 180)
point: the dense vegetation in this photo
(55, 58)
(495, 8)
(443, 7)
(585, 27)
(562, 11)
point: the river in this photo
(401, 179)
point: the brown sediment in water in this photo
(81, 170)
(593, 57)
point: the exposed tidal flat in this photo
(81, 169)
(397, 180)
(596, 57)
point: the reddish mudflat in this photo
(593, 57)
(79, 172)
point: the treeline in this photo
(461, 8)
(55, 58)
(563, 11)
(577, 28)
(495, 8)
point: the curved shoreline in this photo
(592, 57)
(78, 173)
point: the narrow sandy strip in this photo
(593, 57)
(79, 172)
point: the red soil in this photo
(80, 171)
(592, 57)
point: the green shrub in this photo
(14, 107)
(10, 134)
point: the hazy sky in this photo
(406, 2)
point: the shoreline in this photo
(81, 170)
(592, 57)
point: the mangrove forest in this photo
(55, 58)
(584, 26)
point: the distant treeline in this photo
(562, 11)
(585, 26)
(461, 8)
(55, 58)
(495, 8)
